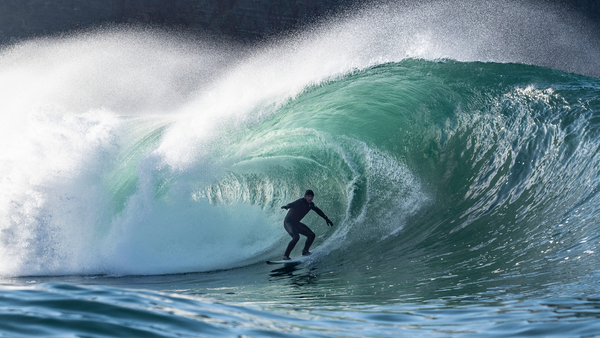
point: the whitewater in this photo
(454, 144)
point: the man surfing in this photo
(297, 210)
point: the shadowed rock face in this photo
(244, 20)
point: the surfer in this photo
(297, 210)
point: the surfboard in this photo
(294, 261)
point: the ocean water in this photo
(455, 146)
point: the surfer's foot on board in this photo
(305, 252)
(286, 258)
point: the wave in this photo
(138, 152)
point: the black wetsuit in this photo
(297, 210)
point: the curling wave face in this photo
(140, 152)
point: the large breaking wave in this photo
(140, 152)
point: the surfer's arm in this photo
(322, 214)
(291, 205)
(288, 206)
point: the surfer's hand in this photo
(329, 222)
(284, 207)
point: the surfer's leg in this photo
(310, 236)
(291, 229)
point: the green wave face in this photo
(439, 168)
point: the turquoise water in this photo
(142, 175)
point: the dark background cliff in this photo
(244, 20)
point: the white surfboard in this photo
(294, 261)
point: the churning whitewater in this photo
(454, 147)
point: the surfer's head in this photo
(309, 195)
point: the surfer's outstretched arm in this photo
(322, 214)
(292, 205)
